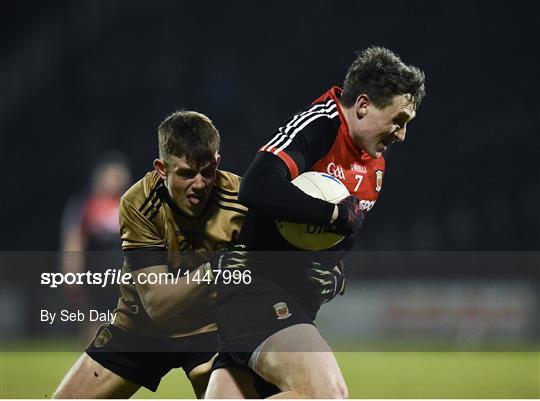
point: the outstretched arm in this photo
(266, 187)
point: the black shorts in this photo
(249, 314)
(264, 388)
(119, 351)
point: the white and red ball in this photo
(312, 237)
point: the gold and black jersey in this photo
(155, 232)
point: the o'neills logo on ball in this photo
(102, 338)
(282, 310)
(378, 183)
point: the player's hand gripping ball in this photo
(351, 215)
(309, 236)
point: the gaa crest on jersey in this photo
(282, 310)
(336, 170)
(103, 337)
(378, 180)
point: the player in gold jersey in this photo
(172, 219)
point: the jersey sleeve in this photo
(266, 187)
(141, 242)
(296, 147)
(304, 139)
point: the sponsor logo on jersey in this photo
(367, 205)
(335, 170)
(358, 168)
(282, 310)
(378, 183)
(102, 338)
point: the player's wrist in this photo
(350, 216)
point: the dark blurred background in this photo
(449, 255)
(82, 77)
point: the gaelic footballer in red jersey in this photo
(361, 173)
(343, 133)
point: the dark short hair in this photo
(190, 134)
(380, 74)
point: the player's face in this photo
(190, 185)
(374, 129)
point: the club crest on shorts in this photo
(282, 310)
(102, 338)
(133, 308)
(378, 183)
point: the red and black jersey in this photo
(314, 139)
(318, 139)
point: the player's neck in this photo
(348, 115)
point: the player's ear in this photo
(161, 168)
(218, 159)
(361, 105)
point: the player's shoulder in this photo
(227, 182)
(144, 189)
(324, 110)
(225, 193)
(316, 118)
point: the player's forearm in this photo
(164, 301)
(266, 187)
